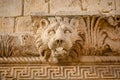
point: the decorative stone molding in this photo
(45, 72)
(59, 39)
(63, 47)
(82, 59)
(66, 38)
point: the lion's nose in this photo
(59, 41)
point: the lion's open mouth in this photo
(59, 48)
(60, 52)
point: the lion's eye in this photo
(67, 31)
(51, 32)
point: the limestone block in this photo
(117, 7)
(23, 24)
(10, 8)
(82, 7)
(6, 25)
(35, 6)
(65, 6)
(100, 6)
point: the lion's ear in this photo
(38, 23)
(43, 23)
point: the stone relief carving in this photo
(76, 36)
(79, 72)
(17, 45)
(66, 38)
(55, 38)
(99, 37)
(6, 45)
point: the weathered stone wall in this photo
(21, 59)
(15, 14)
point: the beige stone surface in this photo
(24, 45)
(35, 6)
(117, 7)
(65, 6)
(23, 24)
(10, 8)
(82, 7)
(101, 6)
(6, 25)
(69, 41)
(17, 45)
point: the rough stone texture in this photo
(65, 6)
(6, 25)
(95, 54)
(101, 6)
(17, 45)
(23, 24)
(82, 7)
(24, 45)
(117, 7)
(10, 8)
(35, 6)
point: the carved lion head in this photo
(55, 38)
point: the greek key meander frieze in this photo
(39, 72)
